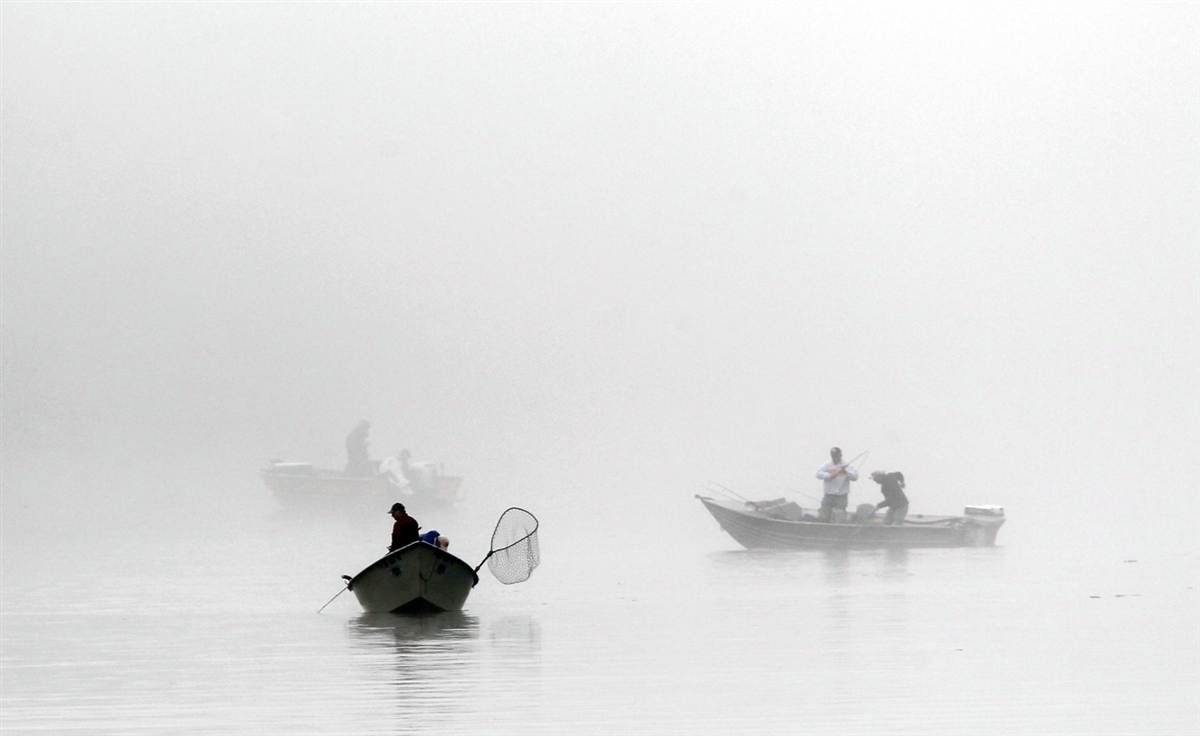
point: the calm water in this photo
(655, 625)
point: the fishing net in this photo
(514, 552)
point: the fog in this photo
(593, 258)
(603, 252)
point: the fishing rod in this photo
(335, 595)
(842, 466)
(730, 491)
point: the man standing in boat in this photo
(358, 458)
(835, 480)
(405, 530)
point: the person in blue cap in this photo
(435, 538)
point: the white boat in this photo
(778, 523)
(417, 577)
(299, 485)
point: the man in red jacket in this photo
(405, 530)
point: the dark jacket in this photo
(404, 531)
(358, 462)
(892, 486)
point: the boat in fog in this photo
(782, 524)
(422, 577)
(415, 578)
(303, 485)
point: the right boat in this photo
(782, 524)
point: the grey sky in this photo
(659, 242)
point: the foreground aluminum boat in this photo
(780, 524)
(416, 577)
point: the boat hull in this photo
(755, 528)
(302, 486)
(415, 578)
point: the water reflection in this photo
(837, 566)
(413, 657)
(897, 556)
(413, 631)
(516, 633)
(516, 640)
(418, 667)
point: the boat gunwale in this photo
(395, 554)
(323, 483)
(926, 519)
(755, 530)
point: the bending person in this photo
(892, 487)
(436, 538)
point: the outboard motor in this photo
(983, 523)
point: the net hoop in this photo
(513, 560)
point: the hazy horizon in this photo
(638, 247)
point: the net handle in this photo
(493, 549)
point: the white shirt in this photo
(393, 466)
(420, 476)
(839, 486)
